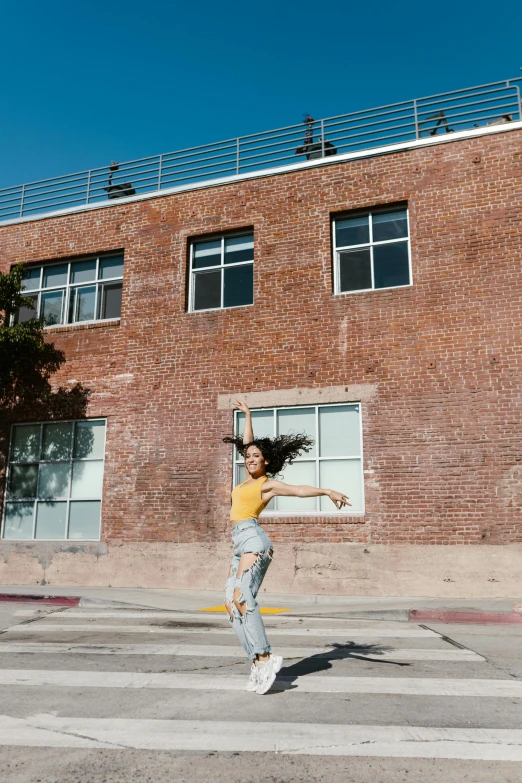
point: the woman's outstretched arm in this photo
(272, 488)
(248, 432)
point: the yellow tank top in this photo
(246, 500)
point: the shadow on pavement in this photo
(322, 661)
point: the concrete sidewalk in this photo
(360, 607)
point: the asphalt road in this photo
(100, 695)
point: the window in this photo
(74, 291)
(371, 250)
(335, 462)
(222, 273)
(54, 480)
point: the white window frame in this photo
(68, 287)
(306, 458)
(221, 267)
(371, 244)
(70, 461)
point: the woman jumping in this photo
(253, 549)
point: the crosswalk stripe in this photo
(52, 731)
(217, 618)
(307, 684)
(165, 614)
(225, 651)
(263, 609)
(366, 633)
(286, 738)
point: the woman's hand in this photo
(338, 499)
(243, 407)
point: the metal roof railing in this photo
(488, 104)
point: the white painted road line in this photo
(233, 651)
(123, 613)
(219, 618)
(508, 689)
(285, 738)
(202, 617)
(364, 633)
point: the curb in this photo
(453, 616)
(52, 600)
(400, 615)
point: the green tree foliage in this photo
(27, 362)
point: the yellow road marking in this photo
(264, 610)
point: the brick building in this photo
(372, 298)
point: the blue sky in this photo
(86, 83)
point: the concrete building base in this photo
(322, 569)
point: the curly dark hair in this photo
(278, 452)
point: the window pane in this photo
(207, 290)
(110, 300)
(18, 520)
(342, 476)
(53, 480)
(390, 264)
(22, 482)
(339, 431)
(31, 279)
(89, 441)
(239, 249)
(298, 473)
(239, 286)
(82, 304)
(298, 421)
(355, 270)
(56, 442)
(84, 519)
(111, 267)
(26, 443)
(389, 225)
(83, 271)
(262, 423)
(353, 231)
(24, 314)
(270, 506)
(54, 276)
(50, 520)
(87, 479)
(207, 254)
(51, 308)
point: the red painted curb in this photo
(479, 618)
(54, 600)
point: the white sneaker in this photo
(267, 673)
(253, 682)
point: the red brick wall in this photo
(444, 442)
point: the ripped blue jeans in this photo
(249, 536)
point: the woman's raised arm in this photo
(272, 488)
(248, 432)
